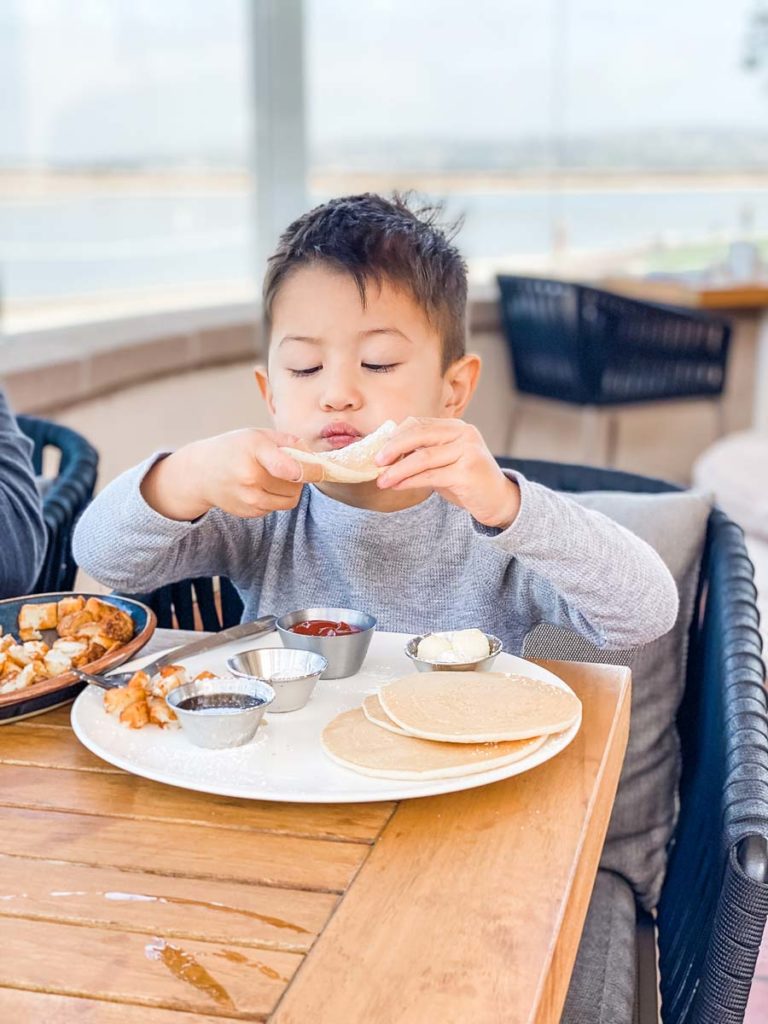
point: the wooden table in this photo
(734, 297)
(123, 901)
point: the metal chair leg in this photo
(611, 438)
(647, 978)
(512, 423)
(721, 425)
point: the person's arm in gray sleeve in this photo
(595, 576)
(22, 530)
(125, 544)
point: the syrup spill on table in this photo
(187, 968)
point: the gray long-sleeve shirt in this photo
(22, 531)
(429, 567)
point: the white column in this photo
(760, 409)
(277, 51)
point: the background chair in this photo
(714, 902)
(599, 351)
(64, 497)
(205, 603)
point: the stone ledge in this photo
(46, 370)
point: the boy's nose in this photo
(339, 395)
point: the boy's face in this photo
(338, 369)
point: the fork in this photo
(266, 624)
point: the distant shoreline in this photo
(18, 184)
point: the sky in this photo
(126, 80)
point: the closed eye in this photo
(305, 373)
(380, 367)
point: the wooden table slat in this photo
(199, 977)
(49, 748)
(127, 796)
(234, 912)
(21, 1006)
(171, 849)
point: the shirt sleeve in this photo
(21, 517)
(125, 544)
(594, 575)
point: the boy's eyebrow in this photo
(299, 337)
(362, 334)
(384, 330)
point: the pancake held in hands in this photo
(355, 742)
(478, 707)
(353, 464)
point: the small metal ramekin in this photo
(291, 674)
(438, 666)
(224, 727)
(345, 654)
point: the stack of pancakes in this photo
(444, 724)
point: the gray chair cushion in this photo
(602, 989)
(645, 810)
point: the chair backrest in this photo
(64, 499)
(714, 902)
(587, 346)
(204, 602)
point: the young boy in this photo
(365, 316)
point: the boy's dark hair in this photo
(375, 239)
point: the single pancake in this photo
(375, 713)
(478, 707)
(356, 743)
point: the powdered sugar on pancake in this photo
(353, 464)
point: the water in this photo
(80, 245)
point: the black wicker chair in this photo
(714, 902)
(64, 497)
(600, 351)
(195, 604)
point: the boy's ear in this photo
(262, 379)
(461, 380)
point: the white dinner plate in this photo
(285, 761)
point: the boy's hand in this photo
(451, 457)
(243, 472)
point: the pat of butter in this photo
(454, 648)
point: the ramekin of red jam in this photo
(341, 635)
(324, 627)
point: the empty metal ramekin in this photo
(291, 674)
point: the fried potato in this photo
(18, 654)
(57, 662)
(9, 684)
(70, 605)
(39, 616)
(135, 715)
(37, 648)
(72, 648)
(72, 625)
(27, 635)
(159, 712)
(167, 679)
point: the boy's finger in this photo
(279, 464)
(419, 435)
(311, 473)
(421, 461)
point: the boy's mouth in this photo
(339, 435)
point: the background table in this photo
(123, 901)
